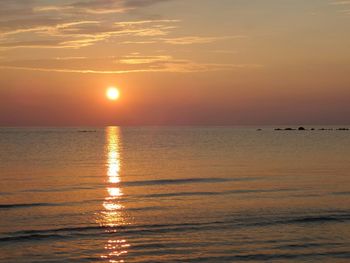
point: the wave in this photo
(242, 221)
(317, 219)
(230, 192)
(63, 189)
(308, 245)
(30, 237)
(147, 208)
(179, 194)
(187, 181)
(252, 191)
(142, 183)
(175, 181)
(28, 205)
(320, 219)
(11, 206)
(268, 257)
(207, 180)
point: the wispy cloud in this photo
(120, 65)
(76, 24)
(188, 40)
(137, 59)
(97, 7)
(79, 34)
(85, 23)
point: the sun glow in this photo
(112, 93)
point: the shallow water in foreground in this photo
(174, 195)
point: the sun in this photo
(112, 93)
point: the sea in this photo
(174, 194)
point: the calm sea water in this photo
(174, 195)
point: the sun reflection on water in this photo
(112, 215)
(113, 154)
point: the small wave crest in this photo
(213, 193)
(175, 181)
(12, 206)
(239, 221)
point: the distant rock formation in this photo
(301, 128)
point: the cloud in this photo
(81, 24)
(120, 65)
(188, 40)
(7, 26)
(20, 15)
(143, 3)
(98, 7)
(57, 34)
(75, 24)
(30, 44)
(136, 59)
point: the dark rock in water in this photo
(86, 131)
(259, 129)
(312, 129)
(343, 129)
(324, 129)
(292, 129)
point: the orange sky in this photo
(175, 61)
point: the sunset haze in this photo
(176, 62)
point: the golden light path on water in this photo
(113, 210)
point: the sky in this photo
(176, 62)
